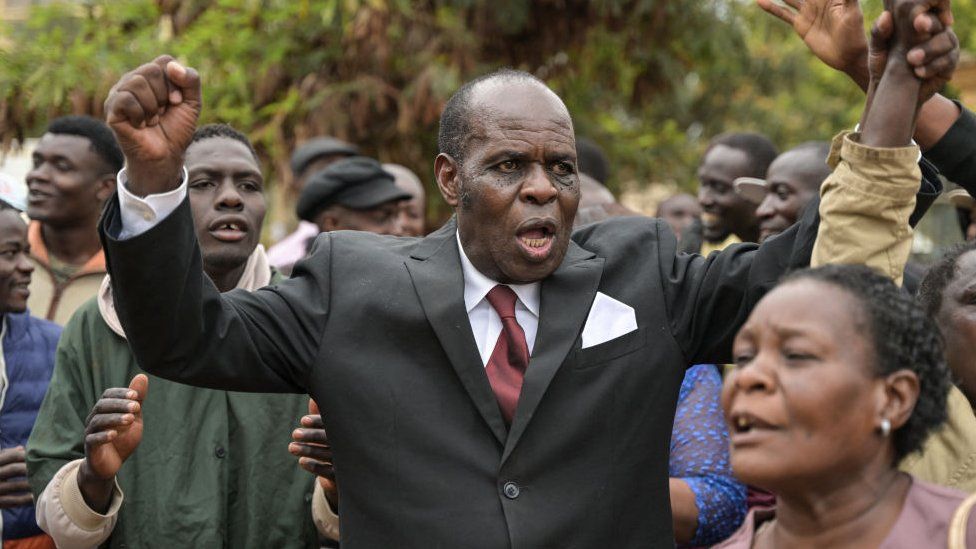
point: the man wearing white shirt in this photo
(559, 438)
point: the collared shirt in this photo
(294, 247)
(486, 325)
(141, 214)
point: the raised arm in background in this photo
(833, 30)
(876, 177)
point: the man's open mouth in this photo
(536, 239)
(229, 229)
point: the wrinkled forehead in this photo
(520, 114)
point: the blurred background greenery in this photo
(650, 80)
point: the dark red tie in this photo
(508, 361)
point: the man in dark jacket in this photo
(501, 382)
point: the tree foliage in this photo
(651, 80)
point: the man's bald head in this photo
(806, 164)
(474, 100)
(792, 181)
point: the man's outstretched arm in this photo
(178, 325)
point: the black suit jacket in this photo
(375, 329)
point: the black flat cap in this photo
(359, 183)
(319, 146)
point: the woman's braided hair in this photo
(903, 336)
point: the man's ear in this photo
(448, 181)
(901, 391)
(327, 220)
(104, 188)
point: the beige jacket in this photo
(949, 455)
(864, 212)
(865, 205)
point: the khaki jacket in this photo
(866, 224)
(949, 455)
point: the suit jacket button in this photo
(511, 490)
(220, 452)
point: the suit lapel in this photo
(435, 269)
(566, 298)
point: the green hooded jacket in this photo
(213, 468)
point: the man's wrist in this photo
(898, 67)
(144, 181)
(96, 491)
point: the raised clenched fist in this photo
(153, 111)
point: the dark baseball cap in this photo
(359, 183)
(317, 147)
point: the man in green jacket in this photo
(213, 468)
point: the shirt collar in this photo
(477, 285)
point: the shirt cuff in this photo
(326, 520)
(78, 511)
(141, 214)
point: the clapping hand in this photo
(113, 429)
(14, 489)
(311, 445)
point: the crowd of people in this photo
(758, 366)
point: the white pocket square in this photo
(608, 319)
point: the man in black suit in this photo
(500, 383)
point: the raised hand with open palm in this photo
(833, 30)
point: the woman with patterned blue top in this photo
(707, 503)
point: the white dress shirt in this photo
(485, 322)
(141, 214)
